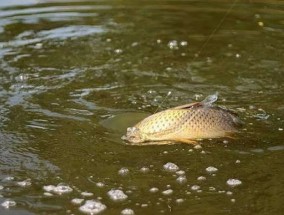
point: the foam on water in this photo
(117, 195)
(171, 167)
(92, 207)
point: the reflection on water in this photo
(75, 74)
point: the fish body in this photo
(185, 123)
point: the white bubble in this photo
(183, 43)
(211, 169)
(8, 203)
(77, 201)
(197, 147)
(238, 161)
(87, 194)
(9, 178)
(212, 188)
(233, 200)
(180, 172)
(100, 184)
(171, 167)
(195, 187)
(144, 169)
(173, 44)
(233, 182)
(167, 192)
(61, 189)
(144, 205)
(47, 194)
(127, 211)
(229, 193)
(179, 201)
(123, 171)
(134, 44)
(118, 51)
(280, 129)
(117, 195)
(92, 207)
(24, 183)
(154, 190)
(38, 45)
(1, 187)
(49, 188)
(201, 178)
(181, 179)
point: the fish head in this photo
(134, 135)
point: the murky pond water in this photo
(75, 74)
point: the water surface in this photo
(75, 74)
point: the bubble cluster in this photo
(92, 207)
(233, 182)
(171, 167)
(117, 195)
(123, 171)
(59, 189)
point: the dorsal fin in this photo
(209, 100)
(188, 106)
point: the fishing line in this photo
(204, 44)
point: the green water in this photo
(75, 74)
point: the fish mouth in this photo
(131, 139)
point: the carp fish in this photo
(186, 123)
